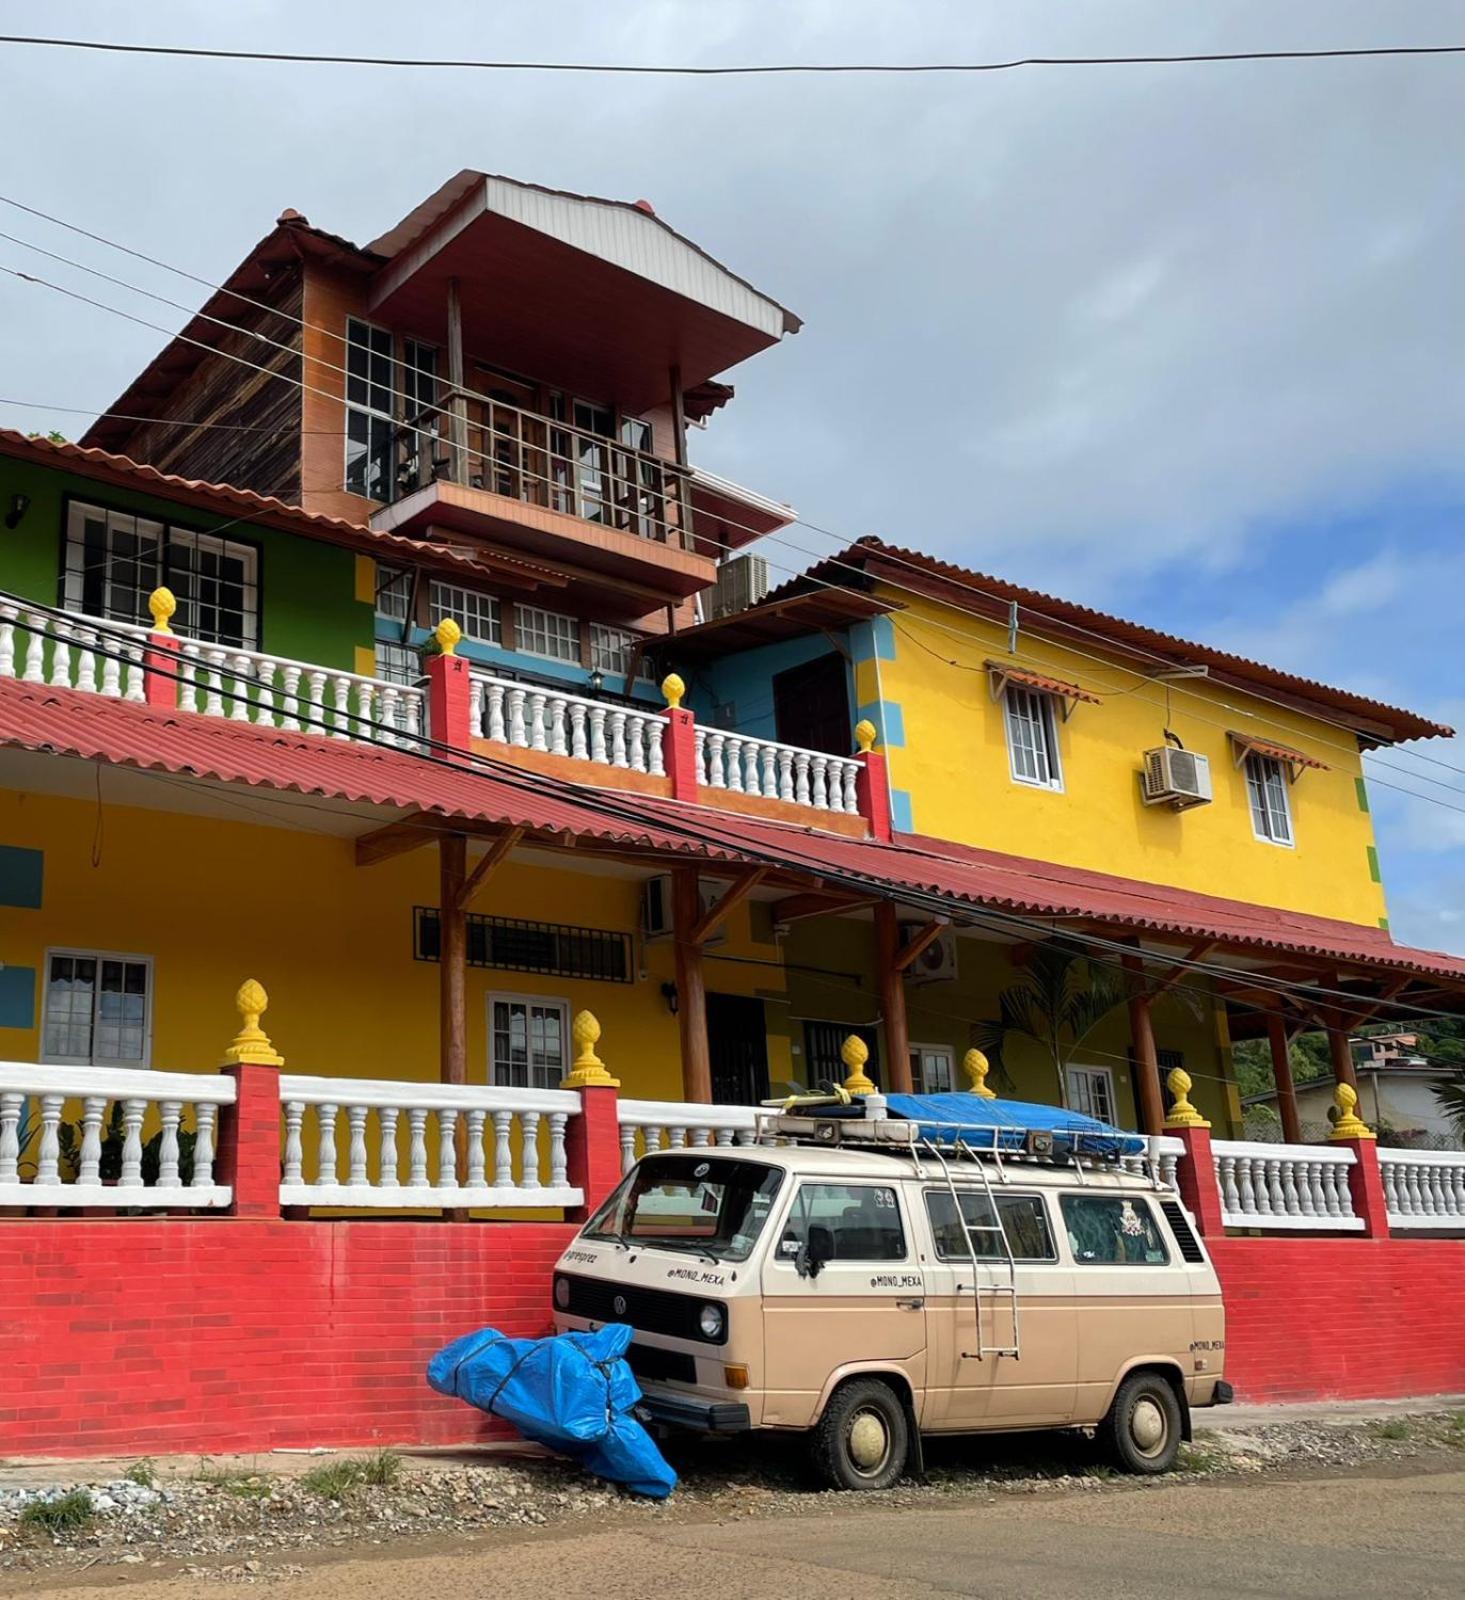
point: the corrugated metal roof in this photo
(70, 723)
(1041, 681)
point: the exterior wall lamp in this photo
(597, 681)
(673, 1000)
(19, 505)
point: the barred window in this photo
(397, 663)
(547, 633)
(511, 944)
(477, 614)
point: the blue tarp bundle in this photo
(572, 1392)
(1003, 1124)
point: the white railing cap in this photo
(566, 695)
(1283, 1152)
(1392, 1155)
(196, 647)
(424, 1096)
(683, 1114)
(776, 745)
(116, 1083)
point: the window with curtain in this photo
(97, 1009)
(527, 1042)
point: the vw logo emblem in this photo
(618, 1305)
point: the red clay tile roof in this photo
(1278, 752)
(69, 723)
(1041, 681)
(1084, 628)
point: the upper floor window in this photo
(370, 414)
(1032, 737)
(1271, 810)
(98, 1009)
(547, 633)
(393, 592)
(1091, 1092)
(610, 651)
(114, 561)
(477, 614)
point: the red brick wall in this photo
(1343, 1318)
(214, 1334)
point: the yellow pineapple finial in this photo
(252, 1045)
(1348, 1124)
(976, 1066)
(1182, 1113)
(587, 1069)
(854, 1052)
(673, 688)
(447, 633)
(865, 735)
(162, 604)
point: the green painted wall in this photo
(309, 609)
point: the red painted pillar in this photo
(1367, 1185)
(449, 693)
(249, 1140)
(1195, 1173)
(593, 1147)
(873, 789)
(163, 653)
(679, 743)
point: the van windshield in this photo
(688, 1202)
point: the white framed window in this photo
(397, 663)
(393, 591)
(477, 614)
(114, 561)
(931, 1069)
(547, 633)
(370, 412)
(610, 651)
(1032, 737)
(98, 1009)
(1091, 1092)
(528, 1041)
(1271, 809)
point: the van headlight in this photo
(712, 1321)
(562, 1293)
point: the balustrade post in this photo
(249, 1135)
(679, 747)
(1365, 1180)
(593, 1139)
(449, 693)
(1195, 1172)
(872, 786)
(163, 659)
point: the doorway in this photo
(737, 1047)
(811, 706)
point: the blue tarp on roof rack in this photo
(1004, 1124)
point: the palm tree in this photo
(1449, 1096)
(1056, 1000)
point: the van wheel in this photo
(1144, 1425)
(862, 1440)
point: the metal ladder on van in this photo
(997, 1291)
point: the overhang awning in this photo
(1004, 672)
(1296, 761)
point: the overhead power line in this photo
(747, 70)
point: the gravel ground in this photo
(244, 1523)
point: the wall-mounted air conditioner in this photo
(937, 962)
(1176, 778)
(657, 921)
(741, 582)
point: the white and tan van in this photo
(857, 1282)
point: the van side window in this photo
(1024, 1219)
(1112, 1230)
(845, 1222)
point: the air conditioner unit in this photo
(1176, 778)
(937, 962)
(741, 582)
(657, 921)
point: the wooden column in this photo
(691, 987)
(1343, 1069)
(892, 999)
(458, 407)
(679, 444)
(1282, 1077)
(1148, 1099)
(453, 959)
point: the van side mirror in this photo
(815, 1252)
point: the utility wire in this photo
(758, 69)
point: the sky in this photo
(1186, 342)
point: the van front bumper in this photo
(704, 1416)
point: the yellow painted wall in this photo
(953, 765)
(214, 902)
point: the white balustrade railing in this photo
(1164, 1154)
(649, 1125)
(743, 765)
(57, 1134)
(359, 1142)
(107, 658)
(1424, 1188)
(1297, 1186)
(529, 717)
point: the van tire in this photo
(1144, 1427)
(863, 1439)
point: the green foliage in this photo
(113, 1137)
(1398, 1429)
(1449, 1096)
(336, 1479)
(144, 1472)
(69, 1513)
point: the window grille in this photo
(510, 944)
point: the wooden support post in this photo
(679, 445)
(891, 971)
(458, 413)
(453, 959)
(1282, 1077)
(1342, 1056)
(1148, 1100)
(691, 988)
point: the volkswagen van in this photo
(854, 1281)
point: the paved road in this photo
(1356, 1536)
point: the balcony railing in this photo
(1285, 1186)
(528, 717)
(1424, 1188)
(543, 461)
